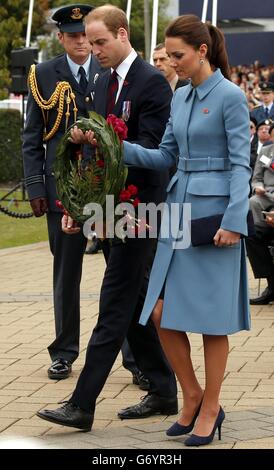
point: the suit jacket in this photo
(181, 83)
(209, 129)
(263, 177)
(38, 157)
(147, 95)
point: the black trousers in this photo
(129, 362)
(122, 295)
(68, 251)
(258, 252)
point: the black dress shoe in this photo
(68, 415)
(264, 299)
(150, 405)
(59, 369)
(139, 379)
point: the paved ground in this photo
(26, 318)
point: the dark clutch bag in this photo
(204, 229)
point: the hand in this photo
(39, 206)
(226, 238)
(260, 191)
(69, 225)
(79, 137)
(270, 220)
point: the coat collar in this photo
(63, 71)
(206, 86)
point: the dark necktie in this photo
(266, 113)
(112, 91)
(83, 79)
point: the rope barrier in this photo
(16, 215)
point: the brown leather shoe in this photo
(68, 415)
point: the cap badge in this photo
(76, 14)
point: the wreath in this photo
(80, 181)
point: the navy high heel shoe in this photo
(178, 429)
(197, 441)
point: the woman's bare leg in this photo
(177, 349)
(215, 354)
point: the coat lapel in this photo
(118, 108)
(94, 72)
(100, 95)
(64, 72)
(187, 113)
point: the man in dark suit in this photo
(142, 99)
(70, 77)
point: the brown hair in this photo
(159, 46)
(113, 17)
(194, 32)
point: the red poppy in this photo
(100, 163)
(59, 204)
(136, 202)
(124, 195)
(132, 189)
(118, 125)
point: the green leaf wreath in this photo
(79, 182)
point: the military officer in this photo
(263, 136)
(61, 90)
(258, 245)
(266, 109)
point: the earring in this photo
(202, 61)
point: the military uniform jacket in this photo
(259, 114)
(38, 157)
(263, 176)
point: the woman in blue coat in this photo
(201, 289)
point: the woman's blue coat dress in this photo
(206, 288)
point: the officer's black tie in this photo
(83, 79)
(266, 113)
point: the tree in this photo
(13, 26)
(136, 20)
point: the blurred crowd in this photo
(248, 77)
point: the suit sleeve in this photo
(160, 159)
(236, 121)
(33, 150)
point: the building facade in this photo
(248, 26)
